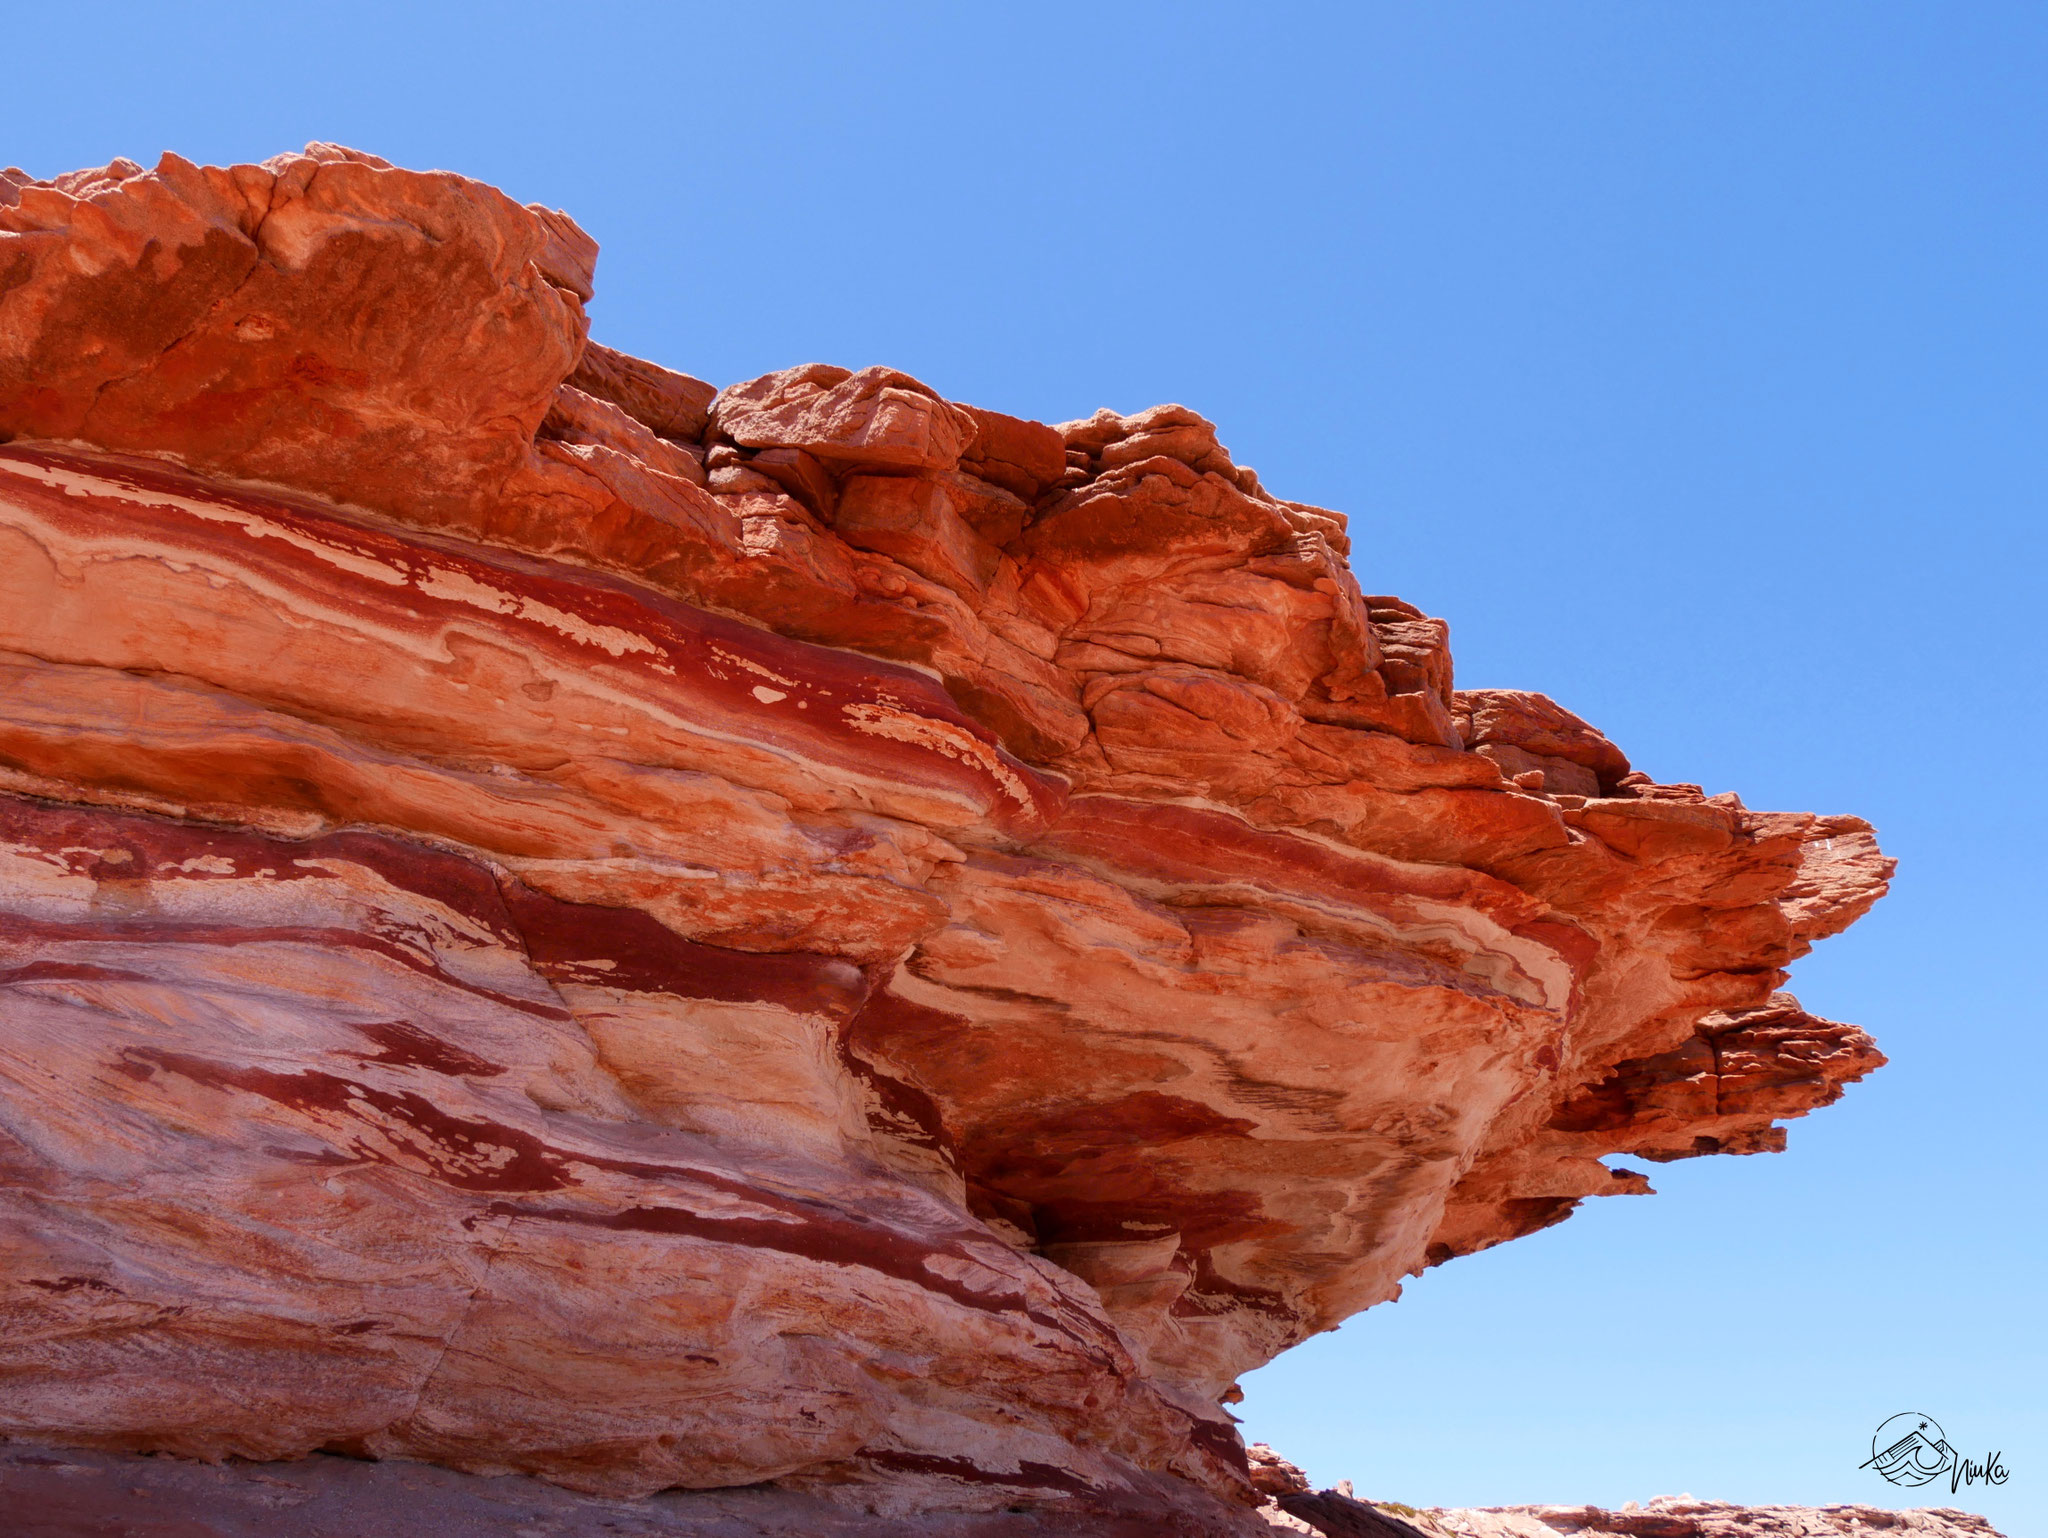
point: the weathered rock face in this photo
(556, 919)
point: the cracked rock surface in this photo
(556, 919)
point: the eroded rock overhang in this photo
(943, 939)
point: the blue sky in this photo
(1688, 358)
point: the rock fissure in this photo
(447, 1341)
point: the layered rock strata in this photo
(557, 919)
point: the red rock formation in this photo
(557, 919)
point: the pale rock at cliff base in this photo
(1681, 1516)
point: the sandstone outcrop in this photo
(556, 919)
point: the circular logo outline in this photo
(1901, 1449)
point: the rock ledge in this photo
(557, 920)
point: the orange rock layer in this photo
(554, 918)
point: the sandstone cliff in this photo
(557, 919)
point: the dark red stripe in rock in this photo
(138, 846)
(1145, 1118)
(1223, 1444)
(1214, 1293)
(65, 1284)
(627, 949)
(327, 1158)
(833, 1238)
(479, 1154)
(403, 1045)
(1577, 946)
(860, 715)
(888, 1021)
(149, 929)
(1029, 1475)
(70, 972)
(583, 942)
(1088, 1171)
(469, 1153)
(1083, 1170)
(904, 1110)
(873, 1046)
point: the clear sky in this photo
(1688, 357)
